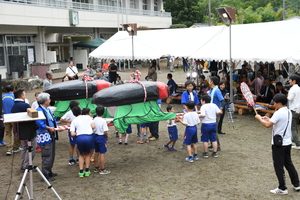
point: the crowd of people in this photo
(205, 99)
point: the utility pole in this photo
(283, 9)
(209, 13)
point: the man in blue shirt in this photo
(216, 98)
(12, 142)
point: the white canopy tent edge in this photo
(270, 41)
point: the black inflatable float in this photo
(130, 93)
(76, 89)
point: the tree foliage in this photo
(189, 12)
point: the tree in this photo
(247, 11)
(184, 11)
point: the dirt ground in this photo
(243, 169)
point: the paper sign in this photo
(247, 94)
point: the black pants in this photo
(217, 120)
(154, 129)
(282, 158)
(220, 123)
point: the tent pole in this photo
(231, 79)
(132, 52)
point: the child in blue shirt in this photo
(189, 95)
(172, 86)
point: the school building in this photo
(43, 32)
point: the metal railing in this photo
(86, 6)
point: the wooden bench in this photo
(242, 108)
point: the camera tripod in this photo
(29, 170)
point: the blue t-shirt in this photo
(185, 97)
(174, 86)
(8, 102)
(218, 97)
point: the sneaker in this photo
(172, 149)
(38, 149)
(279, 191)
(50, 179)
(9, 152)
(215, 154)
(195, 157)
(81, 175)
(104, 171)
(219, 149)
(140, 142)
(297, 189)
(138, 134)
(146, 141)
(72, 162)
(120, 141)
(87, 173)
(205, 155)
(96, 170)
(18, 150)
(153, 139)
(189, 159)
(2, 143)
(296, 147)
(52, 174)
(166, 146)
(126, 143)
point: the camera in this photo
(26, 130)
(287, 87)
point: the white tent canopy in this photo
(271, 41)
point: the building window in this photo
(81, 1)
(9, 51)
(23, 50)
(155, 5)
(28, 39)
(103, 2)
(22, 39)
(2, 61)
(16, 51)
(132, 4)
(9, 40)
(144, 4)
(114, 3)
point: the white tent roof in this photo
(272, 41)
